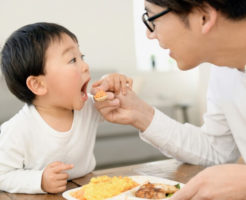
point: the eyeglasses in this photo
(148, 21)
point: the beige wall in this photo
(104, 28)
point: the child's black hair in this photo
(23, 55)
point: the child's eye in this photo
(73, 60)
(82, 57)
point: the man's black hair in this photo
(232, 9)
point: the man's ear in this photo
(209, 18)
(37, 85)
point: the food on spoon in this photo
(156, 190)
(100, 96)
(103, 187)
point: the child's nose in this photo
(84, 67)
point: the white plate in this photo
(129, 195)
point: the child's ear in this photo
(37, 85)
(208, 18)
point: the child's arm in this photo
(113, 83)
(14, 178)
(53, 179)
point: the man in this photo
(195, 32)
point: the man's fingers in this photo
(62, 167)
(181, 195)
(108, 103)
(116, 84)
(94, 90)
(107, 108)
(97, 83)
(100, 85)
(130, 82)
(123, 84)
(110, 95)
(188, 191)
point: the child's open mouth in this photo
(84, 91)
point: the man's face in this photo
(66, 74)
(183, 40)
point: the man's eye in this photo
(73, 60)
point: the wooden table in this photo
(169, 169)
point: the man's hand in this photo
(113, 83)
(54, 178)
(126, 109)
(223, 182)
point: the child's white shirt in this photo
(28, 144)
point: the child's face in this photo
(66, 74)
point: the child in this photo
(51, 134)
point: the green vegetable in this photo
(169, 195)
(177, 186)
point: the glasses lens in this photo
(148, 24)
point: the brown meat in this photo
(149, 191)
(155, 191)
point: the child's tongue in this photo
(84, 93)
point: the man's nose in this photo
(150, 35)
